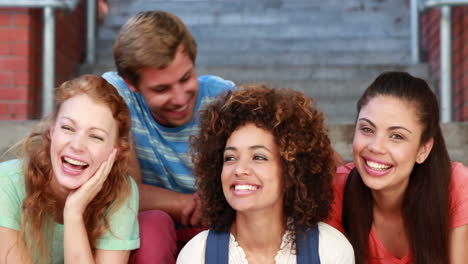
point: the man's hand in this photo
(190, 215)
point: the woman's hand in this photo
(78, 200)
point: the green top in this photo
(123, 223)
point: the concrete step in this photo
(294, 73)
(301, 58)
(239, 6)
(235, 32)
(282, 45)
(340, 135)
(292, 58)
(277, 16)
(309, 72)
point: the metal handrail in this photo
(418, 6)
(48, 54)
(65, 4)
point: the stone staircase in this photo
(330, 49)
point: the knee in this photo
(157, 238)
(149, 218)
(157, 223)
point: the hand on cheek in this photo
(78, 199)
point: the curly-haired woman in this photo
(70, 199)
(264, 169)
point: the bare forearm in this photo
(157, 198)
(12, 250)
(458, 242)
(75, 240)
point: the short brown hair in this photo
(150, 39)
(299, 132)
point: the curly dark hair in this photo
(305, 152)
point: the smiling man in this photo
(155, 56)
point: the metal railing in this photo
(48, 47)
(418, 6)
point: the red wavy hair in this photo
(40, 206)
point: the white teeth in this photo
(377, 166)
(245, 187)
(75, 162)
(181, 108)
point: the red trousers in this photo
(160, 241)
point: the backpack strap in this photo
(308, 248)
(217, 247)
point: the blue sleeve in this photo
(213, 85)
(119, 84)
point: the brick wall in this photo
(21, 57)
(430, 36)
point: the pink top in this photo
(377, 252)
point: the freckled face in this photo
(252, 174)
(82, 137)
(386, 143)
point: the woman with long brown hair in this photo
(402, 201)
(69, 198)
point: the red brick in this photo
(14, 9)
(20, 49)
(3, 109)
(13, 64)
(19, 109)
(20, 78)
(22, 20)
(4, 117)
(465, 113)
(18, 117)
(5, 19)
(5, 48)
(5, 79)
(13, 94)
(16, 34)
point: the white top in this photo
(334, 248)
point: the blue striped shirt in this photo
(161, 151)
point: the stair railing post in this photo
(414, 21)
(48, 61)
(91, 31)
(446, 64)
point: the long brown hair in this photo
(427, 226)
(39, 205)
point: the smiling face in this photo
(386, 143)
(170, 93)
(251, 175)
(82, 137)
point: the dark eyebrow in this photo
(399, 127)
(187, 73)
(366, 120)
(251, 147)
(390, 128)
(162, 86)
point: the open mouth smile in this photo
(73, 166)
